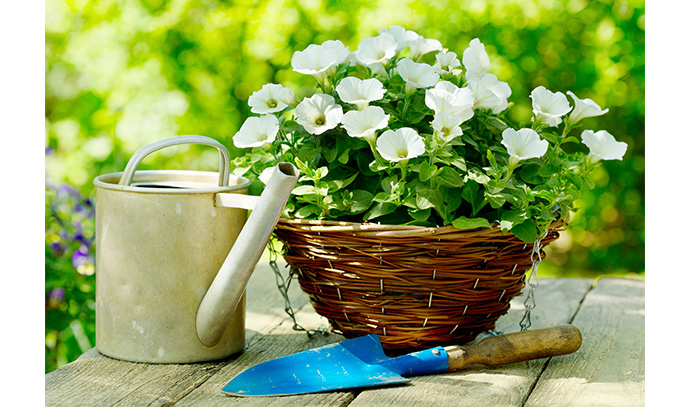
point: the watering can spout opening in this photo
(224, 294)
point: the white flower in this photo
(257, 131)
(447, 125)
(360, 92)
(271, 98)
(446, 63)
(318, 113)
(489, 93)
(584, 108)
(421, 46)
(401, 144)
(376, 50)
(401, 36)
(319, 60)
(364, 123)
(476, 60)
(603, 146)
(549, 107)
(523, 144)
(447, 98)
(416, 74)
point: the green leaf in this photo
(304, 190)
(525, 231)
(380, 209)
(424, 198)
(510, 219)
(306, 211)
(426, 171)
(495, 200)
(419, 214)
(463, 223)
(450, 177)
(361, 201)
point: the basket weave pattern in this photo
(415, 287)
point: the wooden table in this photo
(608, 370)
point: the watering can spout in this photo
(224, 294)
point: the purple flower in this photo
(80, 257)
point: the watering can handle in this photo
(139, 155)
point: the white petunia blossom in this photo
(401, 36)
(376, 50)
(416, 74)
(257, 132)
(400, 145)
(447, 125)
(584, 108)
(476, 60)
(446, 63)
(271, 98)
(447, 98)
(318, 113)
(603, 146)
(364, 123)
(422, 46)
(549, 107)
(320, 60)
(523, 144)
(489, 93)
(360, 92)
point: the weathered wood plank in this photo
(557, 301)
(98, 380)
(609, 368)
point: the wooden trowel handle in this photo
(516, 347)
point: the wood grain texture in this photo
(96, 380)
(509, 385)
(609, 368)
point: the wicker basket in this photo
(415, 287)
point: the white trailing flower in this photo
(489, 93)
(360, 92)
(447, 98)
(401, 36)
(318, 113)
(416, 74)
(548, 106)
(447, 125)
(400, 145)
(271, 98)
(584, 108)
(476, 60)
(257, 132)
(422, 46)
(365, 123)
(446, 63)
(603, 146)
(376, 50)
(523, 144)
(319, 60)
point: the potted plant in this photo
(420, 206)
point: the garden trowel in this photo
(361, 362)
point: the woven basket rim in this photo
(376, 229)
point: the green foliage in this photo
(121, 74)
(70, 280)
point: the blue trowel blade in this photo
(354, 363)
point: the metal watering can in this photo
(174, 253)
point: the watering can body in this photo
(163, 239)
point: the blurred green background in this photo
(123, 73)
